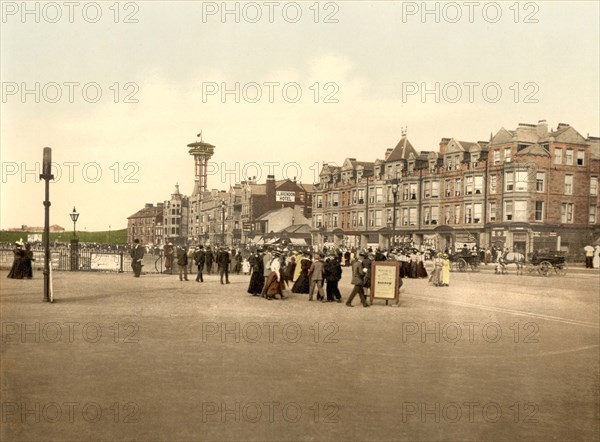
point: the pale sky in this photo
(372, 60)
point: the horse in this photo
(510, 258)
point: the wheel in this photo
(545, 267)
(462, 265)
(561, 268)
(475, 266)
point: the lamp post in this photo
(74, 242)
(47, 176)
(223, 222)
(395, 195)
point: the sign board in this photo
(283, 196)
(247, 226)
(385, 280)
(103, 261)
(34, 237)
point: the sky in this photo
(118, 90)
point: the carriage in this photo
(460, 261)
(547, 263)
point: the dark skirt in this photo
(257, 281)
(302, 284)
(19, 267)
(421, 271)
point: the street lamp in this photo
(74, 243)
(74, 217)
(223, 222)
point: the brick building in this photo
(525, 189)
(146, 225)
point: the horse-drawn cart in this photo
(461, 261)
(547, 263)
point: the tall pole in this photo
(223, 223)
(47, 176)
(395, 193)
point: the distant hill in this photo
(106, 237)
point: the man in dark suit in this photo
(199, 259)
(358, 279)
(137, 254)
(182, 262)
(223, 261)
(209, 260)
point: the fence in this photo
(87, 260)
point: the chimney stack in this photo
(443, 144)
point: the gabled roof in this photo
(296, 228)
(535, 150)
(147, 212)
(502, 136)
(566, 134)
(402, 150)
(594, 143)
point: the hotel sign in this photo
(282, 196)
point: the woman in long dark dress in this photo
(302, 284)
(257, 280)
(28, 261)
(18, 270)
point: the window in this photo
(477, 212)
(334, 220)
(405, 216)
(493, 183)
(378, 218)
(558, 154)
(492, 211)
(569, 157)
(592, 217)
(457, 186)
(478, 184)
(447, 215)
(413, 191)
(496, 156)
(361, 219)
(456, 214)
(435, 189)
(469, 185)
(335, 199)
(509, 181)
(361, 196)
(568, 184)
(540, 177)
(426, 215)
(405, 192)
(435, 215)
(426, 189)
(566, 213)
(448, 187)
(412, 216)
(520, 180)
(593, 185)
(371, 219)
(539, 210)
(580, 157)
(468, 213)
(507, 154)
(508, 211)
(520, 210)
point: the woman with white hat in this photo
(18, 269)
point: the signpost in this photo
(385, 281)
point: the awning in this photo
(298, 241)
